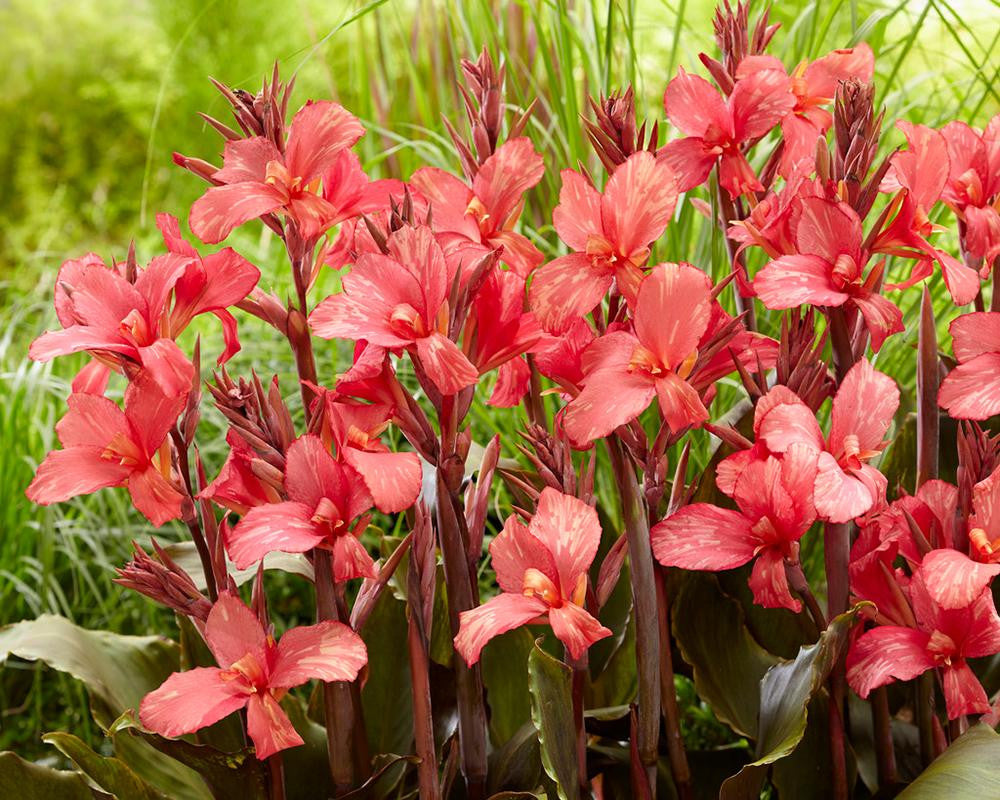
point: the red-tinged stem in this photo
(193, 525)
(679, 769)
(838, 755)
(744, 305)
(423, 721)
(468, 681)
(276, 769)
(928, 379)
(534, 402)
(644, 605)
(338, 706)
(579, 667)
(800, 585)
(840, 339)
(885, 755)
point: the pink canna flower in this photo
(392, 479)
(400, 301)
(325, 499)
(472, 221)
(952, 624)
(972, 389)
(813, 85)
(920, 173)
(828, 268)
(984, 524)
(560, 358)
(775, 501)
(625, 371)
(237, 487)
(973, 187)
(208, 285)
(104, 446)
(254, 672)
(846, 485)
(258, 179)
(717, 129)
(542, 571)
(610, 234)
(498, 331)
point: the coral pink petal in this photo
(882, 318)
(351, 560)
(393, 479)
(840, 497)
(571, 532)
(788, 423)
(232, 631)
(319, 131)
(962, 281)
(168, 367)
(638, 202)
(975, 334)
(864, 406)
(759, 102)
(885, 654)
(826, 228)
(824, 74)
(565, 289)
(505, 176)
(954, 580)
(189, 701)
(92, 420)
(513, 383)
(576, 628)
(963, 693)
(71, 472)
(693, 105)
(792, 280)
(690, 160)
(737, 176)
(449, 198)
(156, 498)
(287, 527)
(672, 311)
(680, 403)
(769, 582)
(610, 397)
(269, 726)
(972, 389)
(515, 550)
(503, 613)
(92, 379)
(327, 651)
(445, 364)
(578, 215)
(223, 208)
(246, 160)
(703, 536)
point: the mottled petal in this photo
(498, 615)
(840, 496)
(327, 651)
(954, 580)
(864, 407)
(505, 176)
(882, 317)
(972, 389)
(690, 160)
(638, 202)
(610, 397)
(515, 550)
(189, 701)
(975, 334)
(963, 693)
(393, 479)
(703, 536)
(790, 281)
(759, 102)
(269, 726)
(445, 363)
(578, 215)
(156, 498)
(565, 289)
(232, 631)
(247, 160)
(72, 472)
(571, 532)
(885, 654)
(223, 208)
(351, 560)
(575, 628)
(672, 311)
(769, 582)
(693, 105)
(287, 527)
(680, 402)
(319, 131)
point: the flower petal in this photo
(576, 628)
(72, 472)
(703, 536)
(680, 402)
(351, 560)
(963, 693)
(319, 131)
(885, 654)
(232, 631)
(975, 334)
(565, 289)
(189, 701)
(864, 406)
(498, 615)
(515, 550)
(571, 532)
(672, 311)
(693, 105)
(287, 527)
(638, 202)
(769, 582)
(223, 208)
(327, 651)
(393, 479)
(954, 580)
(505, 176)
(269, 726)
(972, 389)
(610, 397)
(578, 215)
(156, 498)
(445, 364)
(792, 280)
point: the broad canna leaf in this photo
(27, 781)
(386, 695)
(117, 670)
(229, 776)
(186, 555)
(965, 771)
(505, 677)
(728, 663)
(307, 771)
(551, 684)
(785, 693)
(517, 765)
(111, 774)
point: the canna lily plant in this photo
(720, 558)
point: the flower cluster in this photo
(615, 345)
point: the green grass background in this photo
(98, 93)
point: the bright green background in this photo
(96, 95)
